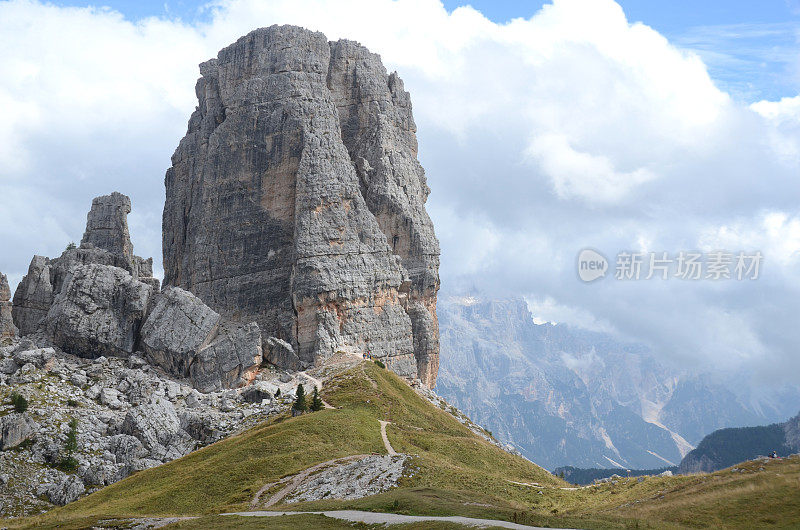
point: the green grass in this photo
(453, 472)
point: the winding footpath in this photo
(386, 443)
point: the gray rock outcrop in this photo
(231, 361)
(792, 433)
(107, 249)
(33, 297)
(107, 226)
(15, 428)
(98, 312)
(179, 325)
(7, 328)
(296, 200)
(65, 491)
(184, 336)
(155, 425)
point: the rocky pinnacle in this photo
(296, 200)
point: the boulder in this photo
(155, 424)
(99, 312)
(230, 361)
(39, 357)
(66, 491)
(126, 448)
(179, 326)
(258, 392)
(280, 353)
(16, 428)
(8, 366)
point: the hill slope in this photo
(726, 447)
(226, 475)
(451, 470)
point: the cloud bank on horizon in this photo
(542, 136)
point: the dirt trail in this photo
(386, 443)
(317, 383)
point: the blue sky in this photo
(750, 47)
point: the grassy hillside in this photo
(459, 473)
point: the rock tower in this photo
(296, 200)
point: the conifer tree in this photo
(316, 401)
(300, 399)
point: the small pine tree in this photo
(316, 401)
(69, 463)
(19, 402)
(71, 245)
(71, 444)
(300, 399)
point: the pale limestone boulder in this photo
(98, 312)
(230, 361)
(15, 428)
(178, 327)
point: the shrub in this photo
(316, 401)
(19, 402)
(71, 246)
(68, 464)
(379, 363)
(72, 403)
(300, 399)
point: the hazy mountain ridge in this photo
(727, 447)
(567, 396)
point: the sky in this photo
(544, 127)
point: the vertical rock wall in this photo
(296, 200)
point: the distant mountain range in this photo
(568, 396)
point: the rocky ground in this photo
(127, 416)
(370, 475)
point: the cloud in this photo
(576, 174)
(542, 136)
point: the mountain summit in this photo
(296, 200)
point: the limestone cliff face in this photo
(296, 199)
